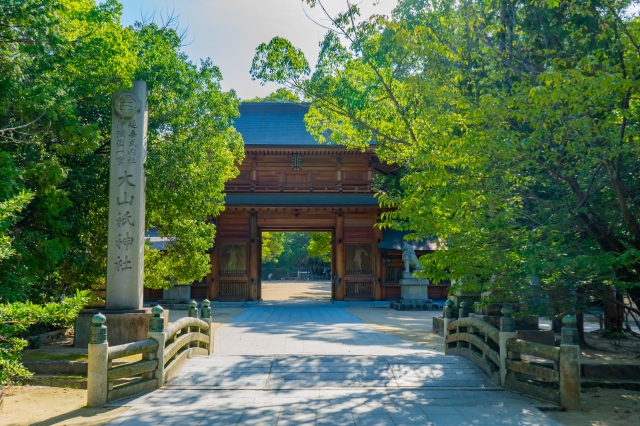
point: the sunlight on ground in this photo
(412, 326)
(27, 405)
(296, 290)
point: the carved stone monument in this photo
(414, 292)
(128, 321)
(125, 248)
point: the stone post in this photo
(125, 246)
(193, 309)
(193, 313)
(569, 365)
(449, 315)
(507, 331)
(156, 332)
(98, 363)
(463, 312)
(205, 315)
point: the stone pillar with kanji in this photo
(125, 247)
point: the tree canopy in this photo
(272, 246)
(281, 95)
(516, 126)
(289, 252)
(320, 246)
(60, 62)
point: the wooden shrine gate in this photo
(289, 182)
(356, 263)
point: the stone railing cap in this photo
(98, 319)
(507, 310)
(569, 321)
(157, 310)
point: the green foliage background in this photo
(320, 246)
(60, 62)
(19, 320)
(289, 252)
(516, 126)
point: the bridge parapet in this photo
(162, 355)
(548, 372)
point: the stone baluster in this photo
(463, 312)
(193, 309)
(205, 315)
(449, 315)
(156, 332)
(98, 363)
(193, 313)
(569, 365)
(507, 331)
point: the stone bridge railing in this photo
(162, 354)
(551, 373)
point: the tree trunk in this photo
(581, 308)
(612, 313)
(634, 295)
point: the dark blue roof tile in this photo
(274, 123)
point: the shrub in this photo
(23, 319)
(10, 366)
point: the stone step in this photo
(58, 367)
(633, 385)
(56, 381)
(63, 381)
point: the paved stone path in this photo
(311, 365)
(304, 329)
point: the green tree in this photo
(295, 255)
(12, 203)
(192, 149)
(60, 62)
(320, 246)
(280, 95)
(516, 126)
(272, 246)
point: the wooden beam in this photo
(378, 262)
(254, 273)
(340, 256)
(297, 223)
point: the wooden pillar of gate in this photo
(340, 257)
(254, 256)
(259, 268)
(378, 264)
(214, 275)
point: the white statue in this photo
(234, 253)
(359, 256)
(410, 259)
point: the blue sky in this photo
(228, 31)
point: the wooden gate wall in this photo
(356, 260)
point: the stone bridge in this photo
(318, 364)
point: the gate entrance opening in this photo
(355, 266)
(295, 265)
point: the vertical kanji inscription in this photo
(125, 246)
